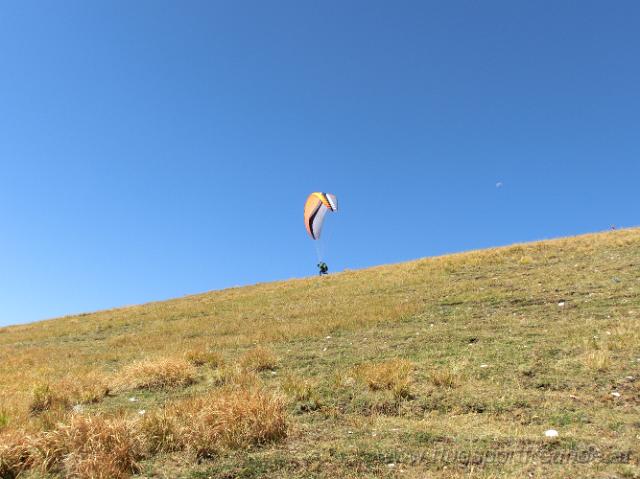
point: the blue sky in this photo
(152, 149)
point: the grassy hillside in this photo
(452, 366)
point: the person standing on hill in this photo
(324, 269)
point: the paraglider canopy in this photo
(315, 210)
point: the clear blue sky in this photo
(151, 149)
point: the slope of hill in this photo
(452, 366)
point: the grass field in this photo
(452, 366)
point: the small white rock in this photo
(630, 378)
(328, 337)
(324, 349)
(561, 304)
(484, 365)
(391, 465)
(615, 394)
(551, 433)
(349, 432)
(273, 373)
(133, 399)
(78, 408)
(142, 412)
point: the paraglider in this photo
(315, 210)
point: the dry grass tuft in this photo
(91, 389)
(302, 392)
(599, 360)
(111, 448)
(394, 375)
(526, 259)
(4, 419)
(62, 395)
(15, 455)
(203, 356)
(156, 374)
(49, 420)
(444, 377)
(91, 447)
(298, 388)
(235, 376)
(259, 359)
(162, 432)
(232, 419)
(45, 397)
(86, 448)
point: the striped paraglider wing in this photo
(315, 209)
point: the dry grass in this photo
(234, 375)
(156, 374)
(235, 418)
(394, 375)
(444, 377)
(547, 367)
(599, 360)
(96, 446)
(45, 397)
(4, 419)
(204, 356)
(89, 389)
(92, 447)
(259, 359)
(15, 457)
(62, 395)
(298, 388)
(162, 432)
(85, 448)
(303, 393)
(230, 418)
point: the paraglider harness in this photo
(324, 269)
